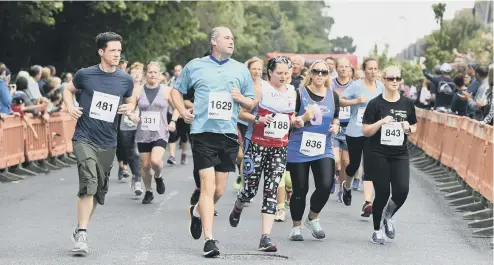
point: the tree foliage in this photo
(62, 33)
(342, 45)
(464, 33)
(410, 72)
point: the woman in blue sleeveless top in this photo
(310, 148)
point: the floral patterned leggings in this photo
(257, 160)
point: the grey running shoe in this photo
(267, 245)
(296, 234)
(74, 234)
(315, 228)
(183, 159)
(389, 228)
(378, 237)
(80, 246)
(120, 173)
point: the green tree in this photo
(62, 33)
(464, 33)
(342, 45)
(382, 57)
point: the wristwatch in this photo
(257, 119)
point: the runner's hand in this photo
(236, 95)
(387, 119)
(266, 119)
(361, 99)
(298, 122)
(126, 108)
(188, 116)
(335, 128)
(405, 125)
(75, 112)
(134, 118)
(172, 126)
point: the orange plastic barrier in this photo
(68, 130)
(56, 137)
(450, 138)
(37, 148)
(459, 143)
(12, 136)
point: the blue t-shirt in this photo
(101, 94)
(206, 76)
(355, 90)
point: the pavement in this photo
(38, 215)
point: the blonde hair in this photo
(136, 65)
(389, 69)
(252, 60)
(45, 72)
(308, 78)
(152, 63)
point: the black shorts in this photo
(243, 130)
(215, 150)
(148, 147)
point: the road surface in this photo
(38, 215)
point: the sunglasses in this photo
(391, 79)
(322, 72)
(272, 63)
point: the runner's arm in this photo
(175, 115)
(370, 124)
(246, 116)
(178, 100)
(68, 95)
(188, 104)
(344, 102)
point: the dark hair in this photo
(366, 60)
(103, 38)
(482, 71)
(21, 83)
(34, 70)
(273, 62)
(330, 58)
(459, 80)
(64, 76)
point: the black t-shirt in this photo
(401, 110)
(317, 99)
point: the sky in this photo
(398, 23)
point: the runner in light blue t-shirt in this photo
(357, 97)
(222, 85)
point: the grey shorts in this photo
(94, 165)
(339, 140)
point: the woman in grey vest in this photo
(153, 128)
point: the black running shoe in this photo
(194, 199)
(366, 209)
(160, 186)
(210, 249)
(148, 197)
(195, 225)
(235, 216)
(347, 195)
(215, 212)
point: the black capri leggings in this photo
(355, 148)
(388, 172)
(323, 170)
